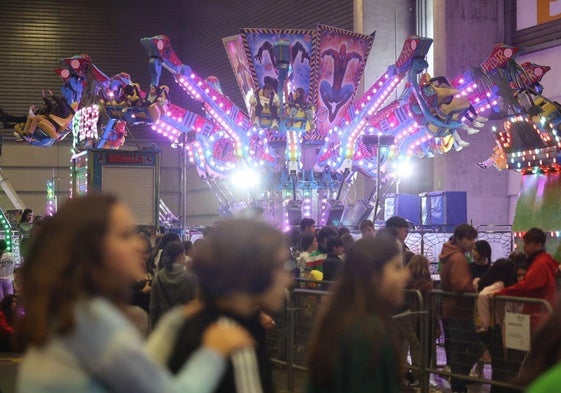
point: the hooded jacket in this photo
(540, 283)
(455, 276)
(171, 288)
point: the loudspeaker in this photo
(336, 210)
(407, 206)
(448, 208)
(294, 213)
(353, 215)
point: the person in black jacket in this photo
(333, 262)
(241, 270)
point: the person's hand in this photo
(193, 307)
(476, 281)
(266, 321)
(226, 339)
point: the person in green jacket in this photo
(355, 346)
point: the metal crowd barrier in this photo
(507, 338)
(423, 324)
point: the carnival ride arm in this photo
(372, 101)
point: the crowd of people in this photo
(112, 310)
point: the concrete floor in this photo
(9, 364)
(8, 369)
(438, 383)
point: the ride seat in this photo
(457, 105)
(445, 92)
(62, 123)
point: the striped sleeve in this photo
(246, 370)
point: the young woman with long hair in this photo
(354, 347)
(76, 281)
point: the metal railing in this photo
(453, 314)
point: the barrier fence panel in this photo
(277, 338)
(467, 325)
(306, 303)
(294, 327)
(485, 339)
(410, 321)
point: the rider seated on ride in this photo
(128, 95)
(441, 96)
(454, 108)
(53, 117)
(497, 159)
(156, 95)
(156, 100)
(442, 103)
(265, 104)
(297, 103)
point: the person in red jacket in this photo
(457, 314)
(540, 280)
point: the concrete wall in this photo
(465, 32)
(552, 80)
(27, 169)
(393, 22)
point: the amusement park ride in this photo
(303, 136)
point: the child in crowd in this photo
(355, 347)
(333, 262)
(154, 264)
(500, 275)
(309, 244)
(521, 271)
(481, 262)
(348, 242)
(173, 284)
(420, 275)
(367, 228)
(241, 269)
(76, 281)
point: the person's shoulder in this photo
(99, 314)
(544, 259)
(165, 334)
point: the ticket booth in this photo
(133, 176)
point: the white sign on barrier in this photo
(517, 331)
